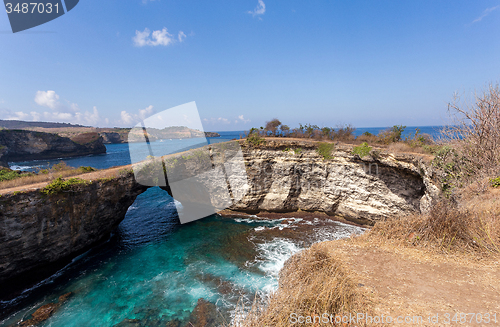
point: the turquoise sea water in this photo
(155, 270)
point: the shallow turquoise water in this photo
(155, 269)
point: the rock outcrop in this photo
(21, 145)
(287, 175)
(113, 137)
(38, 230)
(292, 175)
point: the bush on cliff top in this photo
(9, 178)
(362, 150)
(325, 150)
(60, 185)
(8, 174)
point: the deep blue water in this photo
(155, 269)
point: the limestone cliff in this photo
(37, 230)
(20, 145)
(291, 175)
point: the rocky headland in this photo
(39, 229)
(21, 145)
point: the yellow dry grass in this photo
(472, 227)
(313, 283)
(58, 170)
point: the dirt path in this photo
(110, 172)
(408, 282)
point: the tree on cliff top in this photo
(272, 126)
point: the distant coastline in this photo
(111, 135)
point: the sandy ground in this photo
(409, 282)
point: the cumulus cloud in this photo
(132, 119)
(259, 10)
(47, 99)
(159, 37)
(62, 111)
(485, 13)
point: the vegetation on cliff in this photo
(12, 178)
(465, 221)
(61, 185)
(312, 282)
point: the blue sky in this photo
(368, 63)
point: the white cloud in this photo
(259, 10)
(47, 99)
(222, 120)
(146, 112)
(485, 13)
(159, 37)
(240, 117)
(126, 118)
(131, 119)
(181, 36)
(61, 112)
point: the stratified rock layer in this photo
(292, 175)
(37, 230)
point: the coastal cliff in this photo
(21, 145)
(37, 229)
(292, 175)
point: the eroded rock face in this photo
(21, 145)
(289, 176)
(113, 137)
(37, 230)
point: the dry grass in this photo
(59, 170)
(313, 282)
(473, 227)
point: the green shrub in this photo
(255, 139)
(7, 174)
(325, 150)
(362, 150)
(297, 150)
(59, 185)
(391, 135)
(86, 169)
(495, 182)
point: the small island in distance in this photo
(109, 135)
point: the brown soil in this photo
(409, 282)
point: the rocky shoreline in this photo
(39, 230)
(22, 145)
